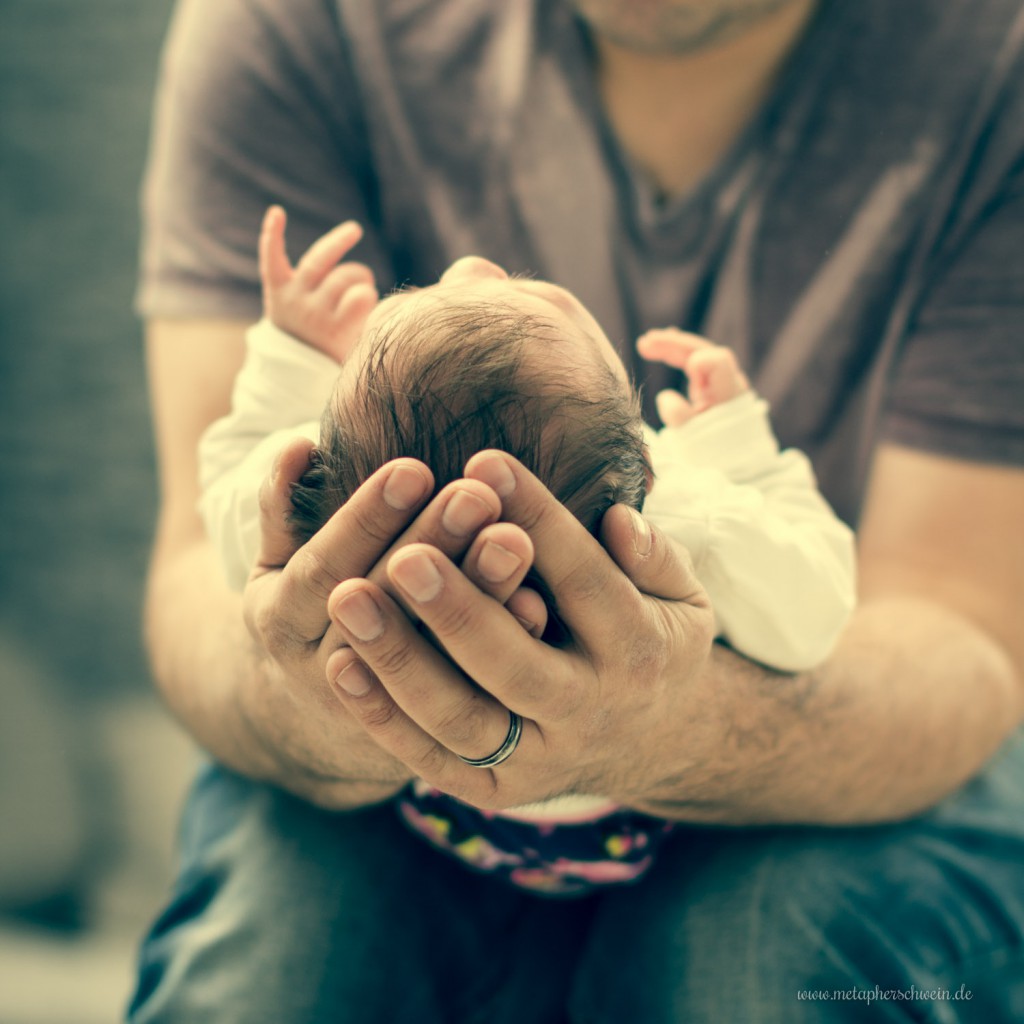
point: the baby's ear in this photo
(648, 471)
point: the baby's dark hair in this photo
(439, 401)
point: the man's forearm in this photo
(912, 703)
(210, 675)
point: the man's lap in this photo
(286, 913)
(283, 913)
(752, 925)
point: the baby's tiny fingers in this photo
(671, 346)
(326, 251)
(715, 377)
(275, 270)
(673, 408)
(357, 302)
(343, 278)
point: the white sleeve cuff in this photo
(777, 563)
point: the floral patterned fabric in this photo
(548, 858)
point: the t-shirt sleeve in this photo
(255, 105)
(958, 386)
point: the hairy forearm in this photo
(212, 678)
(911, 704)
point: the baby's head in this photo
(481, 361)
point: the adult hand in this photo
(285, 606)
(598, 713)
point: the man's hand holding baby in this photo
(593, 711)
(346, 611)
(590, 708)
(320, 300)
(285, 606)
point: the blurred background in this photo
(91, 770)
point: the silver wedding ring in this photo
(505, 751)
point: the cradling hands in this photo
(323, 752)
(597, 712)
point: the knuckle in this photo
(583, 584)
(569, 700)
(265, 626)
(277, 640)
(432, 762)
(466, 725)
(369, 523)
(381, 716)
(645, 660)
(395, 661)
(318, 575)
(275, 635)
(521, 683)
(533, 517)
(282, 641)
(452, 622)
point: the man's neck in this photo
(677, 116)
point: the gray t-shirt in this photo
(862, 246)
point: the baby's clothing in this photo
(777, 564)
(567, 857)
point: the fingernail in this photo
(359, 614)
(464, 513)
(496, 563)
(354, 679)
(641, 534)
(416, 574)
(404, 487)
(497, 475)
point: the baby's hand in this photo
(319, 301)
(712, 373)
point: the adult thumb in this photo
(657, 565)
(277, 538)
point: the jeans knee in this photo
(756, 926)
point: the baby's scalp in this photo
(570, 321)
(438, 377)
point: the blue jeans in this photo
(284, 914)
